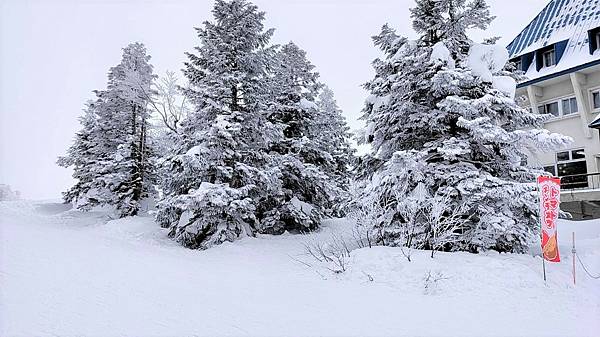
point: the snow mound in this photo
(306, 104)
(486, 60)
(505, 84)
(441, 53)
(195, 150)
(302, 206)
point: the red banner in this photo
(549, 189)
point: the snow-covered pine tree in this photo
(129, 173)
(308, 189)
(112, 155)
(224, 173)
(81, 156)
(448, 21)
(448, 139)
(334, 135)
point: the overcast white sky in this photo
(54, 53)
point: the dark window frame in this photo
(594, 40)
(595, 103)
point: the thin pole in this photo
(544, 265)
(573, 251)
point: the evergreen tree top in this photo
(425, 90)
(448, 21)
(238, 23)
(294, 72)
(226, 67)
(134, 60)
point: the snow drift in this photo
(64, 272)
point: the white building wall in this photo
(574, 125)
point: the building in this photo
(559, 51)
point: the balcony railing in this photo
(586, 181)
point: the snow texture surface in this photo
(67, 273)
(505, 84)
(441, 53)
(485, 60)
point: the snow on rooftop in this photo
(560, 20)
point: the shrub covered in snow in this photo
(6, 193)
(227, 214)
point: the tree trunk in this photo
(234, 98)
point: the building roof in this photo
(564, 22)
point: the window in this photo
(549, 108)
(562, 156)
(594, 40)
(569, 106)
(577, 154)
(551, 170)
(570, 165)
(562, 107)
(550, 55)
(596, 100)
(548, 58)
(519, 65)
(552, 108)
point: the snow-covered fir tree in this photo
(333, 134)
(111, 155)
(448, 21)
(253, 157)
(305, 164)
(213, 188)
(81, 156)
(448, 139)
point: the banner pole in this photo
(544, 266)
(573, 253)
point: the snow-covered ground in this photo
(67, 273)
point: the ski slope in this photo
(68, 273)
